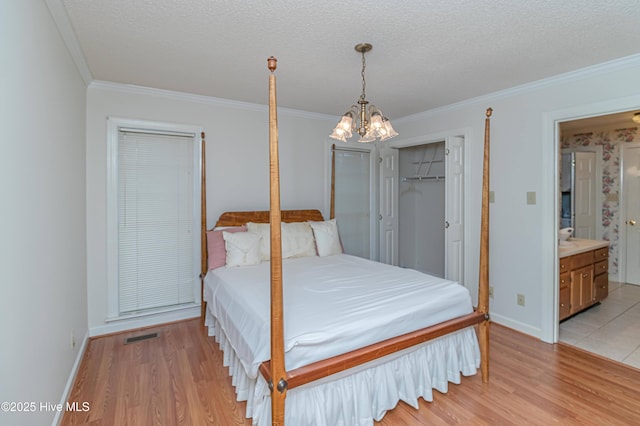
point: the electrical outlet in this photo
(73, 339)
(521, 299)
(491, 291)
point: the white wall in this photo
(42, 231)
(523, 158)
(237, 161)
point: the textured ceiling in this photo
(426, 53)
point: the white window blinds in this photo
(155, 220)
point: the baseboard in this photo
(144, 321)
(516, 325)
(72, 378)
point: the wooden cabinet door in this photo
(575, 294)
(565, 303)
(586, 286)
(601, 286)
(581, 288)
(565, 295)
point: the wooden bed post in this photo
(203, 227)
(278, 373)
(483, 283)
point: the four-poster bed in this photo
(310, 379)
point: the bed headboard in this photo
(240, 218)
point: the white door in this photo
(388, 209)
(631, 213)
(454, 231)
(585, 195)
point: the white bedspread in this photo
(333, 305)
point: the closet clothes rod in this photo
(408, 178)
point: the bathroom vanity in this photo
(584, 279)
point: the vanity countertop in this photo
(579, 245)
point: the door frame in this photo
(464, 133)
(549, 193)
(622, 236)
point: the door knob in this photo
(632, 222)
(446, 224)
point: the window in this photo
(154, 216)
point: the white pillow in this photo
(297, 240)
(263, 231)
(327, 238)
(243, 248)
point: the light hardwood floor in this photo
(178, 379)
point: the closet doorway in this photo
(421, 208)
(430, 189)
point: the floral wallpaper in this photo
(610, 140)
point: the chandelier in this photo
(372, 123)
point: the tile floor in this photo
(611, 329)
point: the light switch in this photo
(531, 197)
(492, 197)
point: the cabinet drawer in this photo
(565, 280)
(601, 267)
(565, 264)
(602, 253)
(582, 259)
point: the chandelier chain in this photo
(364, 84)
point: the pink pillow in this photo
(215, 246)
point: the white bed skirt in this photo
(362, 394)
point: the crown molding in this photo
(591, 71)
(207, 100)
(61, 19)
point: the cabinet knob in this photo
(585, 275)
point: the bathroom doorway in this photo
(605, 136)
(603, 328)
